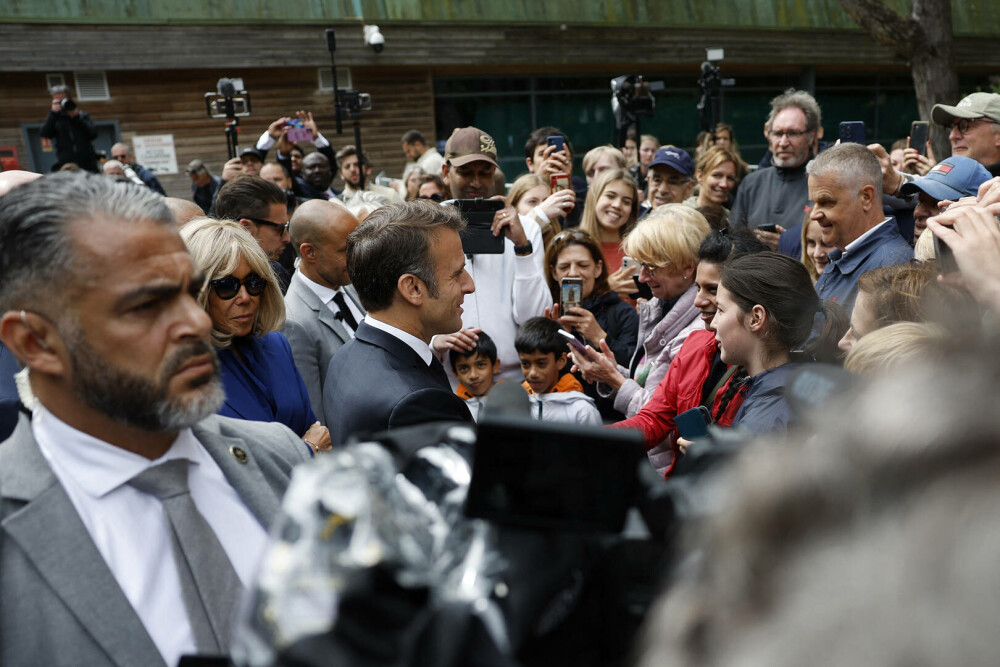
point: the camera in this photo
(67, 104)
(374, 38)
(631, 97)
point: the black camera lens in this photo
(67, 104)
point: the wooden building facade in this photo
(504, 66)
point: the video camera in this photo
(632, 97)
(229, 101)
(711, 83)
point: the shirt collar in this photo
(99, 467)
(856, 243)
(324, 293)
(422, 349)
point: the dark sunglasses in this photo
(281, 228)
(227, 288)
(437, 196)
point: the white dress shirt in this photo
(853, 245)
(420, 347)
(129, 527)
(326, 294)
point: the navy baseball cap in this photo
(675, 158)
(952, 178)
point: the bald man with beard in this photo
(322, 310)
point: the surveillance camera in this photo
(374, 38)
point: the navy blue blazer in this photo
(377, 382)
(884, 247)
(268, 388)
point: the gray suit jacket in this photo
(61, 603)
(314, 334)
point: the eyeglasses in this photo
(282, 228)
(963, 124)
(571, 234)
(227, 288)
(437, 196)
(791, 134)
(652, 267)
(119, 157)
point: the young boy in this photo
(475, 370)
(543, 357)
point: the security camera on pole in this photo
(350, 103)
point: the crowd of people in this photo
(209, 345)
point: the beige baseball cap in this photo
(469, 144)
(976, 105)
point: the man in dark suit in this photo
(131, 516)
(407, 264)
(322, 310)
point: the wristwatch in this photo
(523, 250)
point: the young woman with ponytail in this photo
(769, 321)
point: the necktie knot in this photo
(165, 480)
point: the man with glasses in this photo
(975, 128)
(261, 207)
(779, 195)
(123, 154)
(670, 179)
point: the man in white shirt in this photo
(416, 150)
(407, 264)
(102, 564)
(510, 286)
(322, 310)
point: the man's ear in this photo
(531, 164)
(496, 366)
(561, 361)
(867, 196)
(444, 173)
(767, 131)
(247, 224)
(757, 318)
(34, 341)
(412, 289)
(307, 251)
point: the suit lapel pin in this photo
(238, 454)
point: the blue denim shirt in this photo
(883, 247)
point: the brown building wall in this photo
(172, 102)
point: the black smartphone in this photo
(768, 228)
(919, 131)
(693, 423)
(644, 291)
(852, 132)
(558, 142)
(944, 256)
(477, 237)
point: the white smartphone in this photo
(573, 342)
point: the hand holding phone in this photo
(573, 342)
(919, 131)
(570, 293)
(852, 132)
(693, 424)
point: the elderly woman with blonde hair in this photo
(241, 296)
(665, 245)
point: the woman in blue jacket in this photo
(769, 321)
(242, 297)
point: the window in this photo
(91, 86)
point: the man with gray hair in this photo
(845, 186)
(407, 264)
(123, 154)
(779, 196)
(130, 513)
(72, 130)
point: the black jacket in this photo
(72, 137)
(619, 320)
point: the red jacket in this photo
(680, 390)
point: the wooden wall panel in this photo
(172, 102)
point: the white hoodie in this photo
(572, 407)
